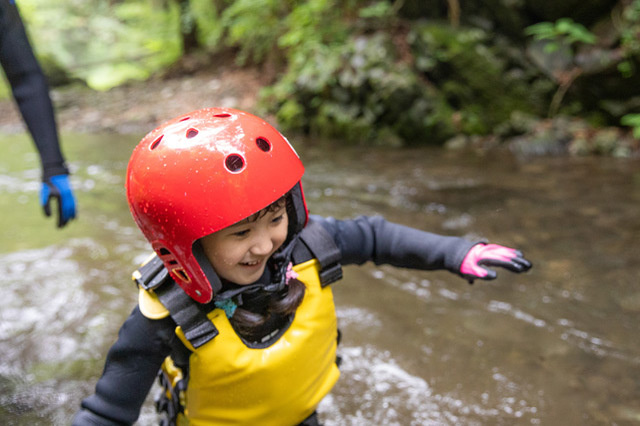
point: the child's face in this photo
(239, 253)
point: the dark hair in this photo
(284, 303)
(277, 204)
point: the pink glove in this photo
(491, 255)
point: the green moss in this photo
(478, 75)
(360, 92)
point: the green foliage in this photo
(618, 46)
(349, 86)
(357, 91)
(564, 31)
(380, 10)
(105, 44)
(349, 69)
(631, 29)
(629, 37)
(311, 24)
(206, 17)
(356, 87)
(473, 73)
(254, 26)
(633, 121)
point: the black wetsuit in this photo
(30, 89)
(134, 360)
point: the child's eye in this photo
(242, 233)
(277, 219)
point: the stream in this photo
(558, 345)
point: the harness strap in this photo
(151, 274)
(319, 243)
(186, 312)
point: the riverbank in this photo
(139, 107)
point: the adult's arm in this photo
(30, 89)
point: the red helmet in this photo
(202, 172)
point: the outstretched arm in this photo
(375, 239)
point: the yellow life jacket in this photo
(282, 384)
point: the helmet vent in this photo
(184, 119)
(167, 256)
(263, 144)
(222, 115)
(234, 163)
(156, 142)
(180, 273)
(192, 133)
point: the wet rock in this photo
(630, 303)
(625, 413)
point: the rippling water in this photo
(558, 345)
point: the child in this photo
(235, 305)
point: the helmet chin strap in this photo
(205, 265)
(279, 263)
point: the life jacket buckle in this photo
(330, 274)
(151, 274)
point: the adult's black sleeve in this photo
(375, 239)
(30, 89)
(130, 369)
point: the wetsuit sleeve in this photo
(375, 239)
(30, 89)
(130, 369)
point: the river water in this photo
(556, 346)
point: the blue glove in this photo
(58, 187)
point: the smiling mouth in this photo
(254, 263)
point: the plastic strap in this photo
(187, 313)
(322, 247)
(152, 274)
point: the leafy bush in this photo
(564, 31)
(359, 92)
(254, 26)
(630, 39)
(633, 121)
(101, 43)
(481, 79)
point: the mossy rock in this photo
(484, 78)
(360, 92)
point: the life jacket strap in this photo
(151, 274)
(321, 246)
(187, 313)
